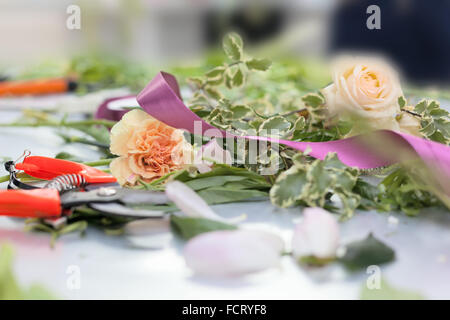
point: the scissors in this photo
(71, 184)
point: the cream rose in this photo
(364, 87)
(147, 148)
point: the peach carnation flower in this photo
(147, 148)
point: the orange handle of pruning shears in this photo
(36, 87)
(37, 203)
(49, 168)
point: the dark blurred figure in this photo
(255, 23)
(414, 33)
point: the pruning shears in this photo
(71, 184)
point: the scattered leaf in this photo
(189, 227)
(363, 253)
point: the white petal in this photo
(149, 233)
(317, 235)
(329, 93)
(237, 252)
(191, 204)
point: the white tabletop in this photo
(111, 267)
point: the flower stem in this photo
(163, 178)
(106, 123)
(412, 113)
(235, 63)
(71, 139)
(98, 163)
(70, 124)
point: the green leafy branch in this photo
(314, 183)
(232, 74)
(435, 121)
(95, 129)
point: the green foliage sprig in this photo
(314, 183)
(435, 121)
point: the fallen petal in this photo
(192, 205)
(317, 235)
(231, 253)
(149, 233)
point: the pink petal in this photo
(317, 235)
(237, 252)
(149, 233)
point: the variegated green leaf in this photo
(233, 45)
(258, 64)
(213, 93)
(240, 111)
(288, 188)
(238, 78)
(435, 122)
(275, 126)
(401, 102)
(313, 100)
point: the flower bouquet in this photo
(244, 135)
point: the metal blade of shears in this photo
(117, 201)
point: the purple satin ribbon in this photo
(103, 112)
(161, 99)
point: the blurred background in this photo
(414, 34)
